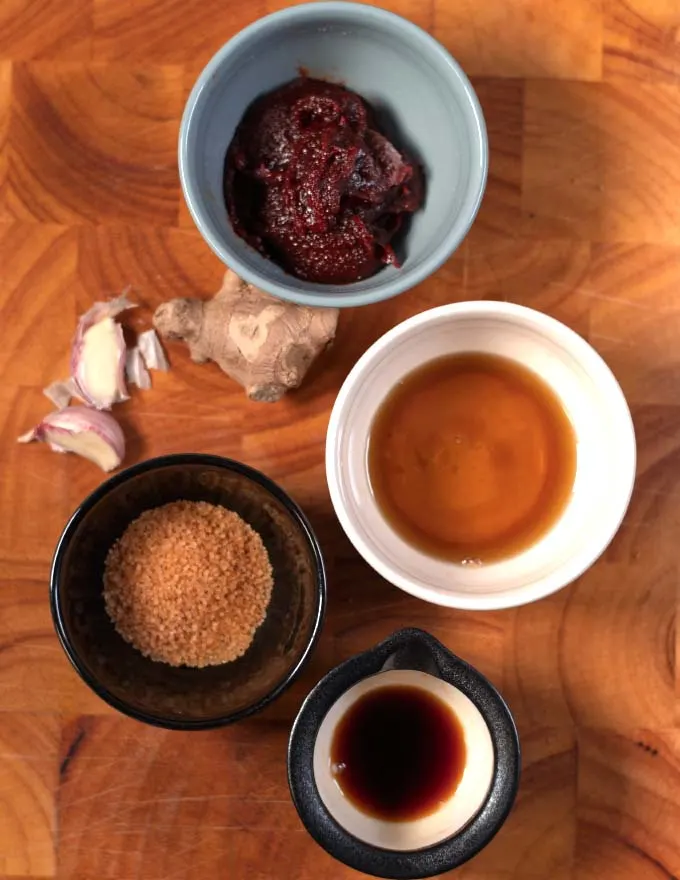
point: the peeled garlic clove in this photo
(88, 432)
(98, 354)
(152, 351)
(135, 370)
(98, 364)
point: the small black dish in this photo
(414, 649)
(180, 697)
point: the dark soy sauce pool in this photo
(398, 753)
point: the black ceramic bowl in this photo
(406, 649)
(180, 697)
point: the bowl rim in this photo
(555, 580)
(153, 464)
(287, 291)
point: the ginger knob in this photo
(265, 344)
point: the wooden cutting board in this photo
(581, 219)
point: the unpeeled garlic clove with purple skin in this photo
(98, 354)
(88, 432)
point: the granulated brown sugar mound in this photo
(188, 584)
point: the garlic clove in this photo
(135, 369)
(87, 444)
(88, 432)
(99, 364)
(152, 351)
(98, 354)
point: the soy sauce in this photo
(398, 753)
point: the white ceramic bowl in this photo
(593, 400)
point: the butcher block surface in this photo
(581, 220)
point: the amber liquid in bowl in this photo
(472, 458)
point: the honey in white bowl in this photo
(472, 458)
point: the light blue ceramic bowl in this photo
(424, 101)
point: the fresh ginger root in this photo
(265, 344)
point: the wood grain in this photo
(641, 40)
(588, 172)
(580, 220)
(122, 124)
(523, 39)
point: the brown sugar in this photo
(188, 584)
